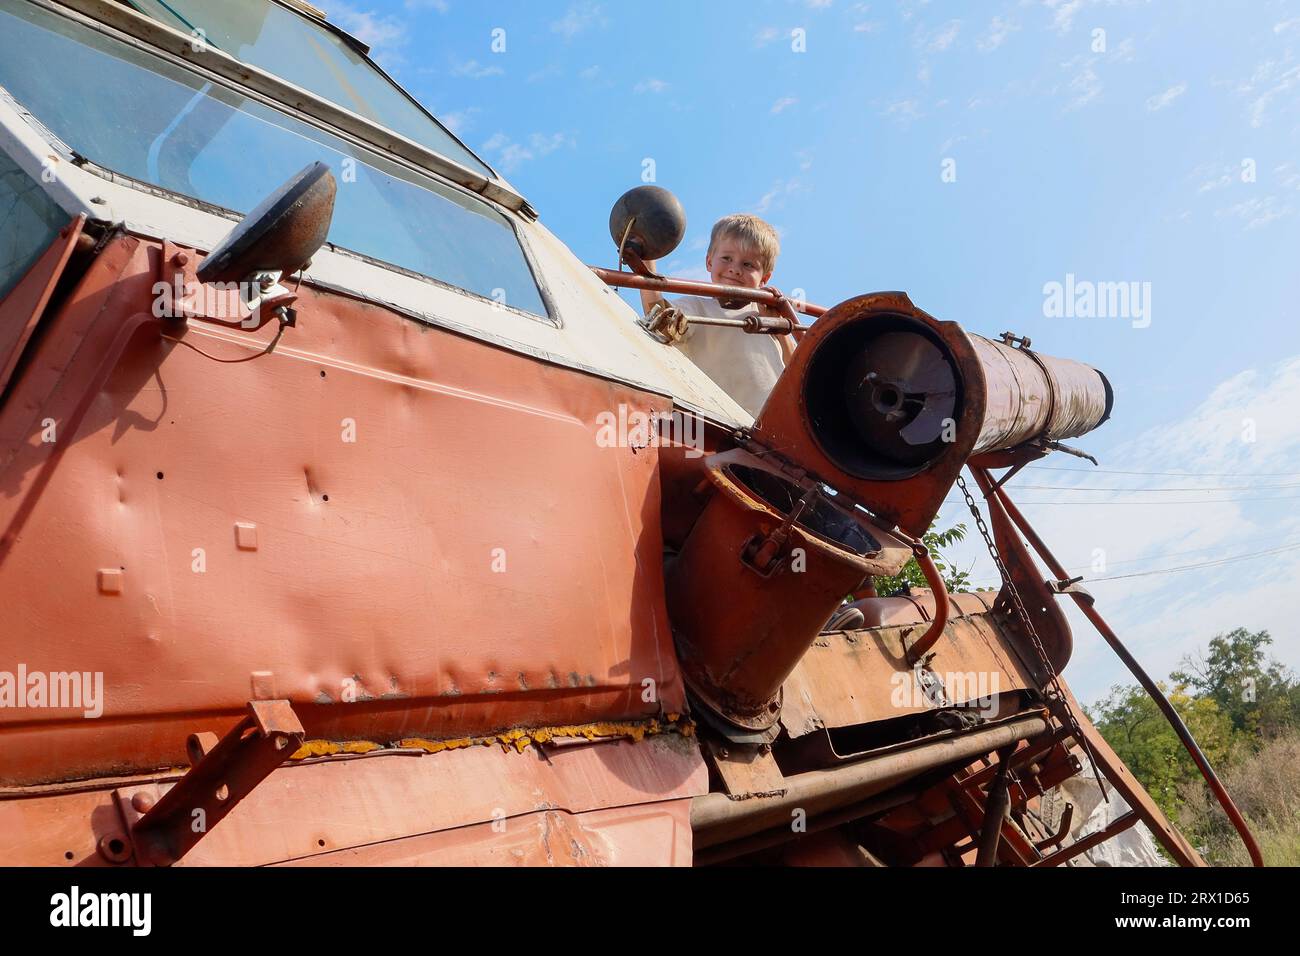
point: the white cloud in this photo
(578, 18)
(766, 36)
(1257, 211)
(943, 38)
(651, 85)
(510, 155)
(775, 197)
(1085, 85)
(784, 103)
(904, 110)
(1270, 79)
(1063, 13)
(475, 70)
(866, 26)
(997, 33)
(590, 73)
(1161, 100)
(458, 121)
(442, 6)
(1286, 25)
(385, 35)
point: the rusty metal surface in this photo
(648, 835)
(1036, 396)
(918, 606)
(21, 309)
(304, 809)
(786, 425)
(717, 819)
(224, 773)
(64, 830)
(758, 577)
(709, 290)
(858, 677)
(745, 769)
(370, 562)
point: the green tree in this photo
(1259, 695)
(954, 579)
(1134, 726)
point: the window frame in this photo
(512, 216)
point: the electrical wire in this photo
(1193, 567)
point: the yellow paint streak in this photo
(327, 748)
(519, 739)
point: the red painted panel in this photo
(369, 567)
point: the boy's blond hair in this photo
(751, 232)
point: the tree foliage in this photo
(911, 575)
(1259, 695)
(1139, 733)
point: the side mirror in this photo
(647, 222)
(280, 236)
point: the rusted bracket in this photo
(221, 777)
(1071, 586)
(180, 295)
(1067, 817)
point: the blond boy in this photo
(742, 252)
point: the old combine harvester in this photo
(312, 550)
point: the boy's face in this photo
(730, 263)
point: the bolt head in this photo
(180, 259)
(114, 848)
(142, 802)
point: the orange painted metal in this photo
(859, 677)
(243, 534)
(646, 835)
(786, 425)
(21, 309)
(764, 567)
(352, 803)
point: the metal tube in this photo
(715, 818)
(1083, 844)
(941, 605)
(1031, 396)
(767, 839)
(1161, 701)
(995, 811)
(710, 290)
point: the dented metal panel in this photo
(856, 677)
(406, 532)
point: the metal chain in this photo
(1053, 684)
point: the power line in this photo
(1204, 564)
(1175, 474)
(1188, 490)
(1175, 554)
(1198, 501)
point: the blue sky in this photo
(1115, 141)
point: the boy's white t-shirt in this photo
(744, 365)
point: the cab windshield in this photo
(308, 53)
(137, 114)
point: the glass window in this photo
(138, 115)
(271, 38)
(29, 221)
